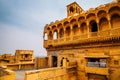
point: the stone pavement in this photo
(20, 74)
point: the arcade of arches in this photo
(100, 20)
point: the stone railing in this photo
(47, 74)
(6, 74)
(76, 37)
(104, 33)
(84, 36)
(68, 38)
(92, 35)
(115, 31)
(61, 39)
(50, 42)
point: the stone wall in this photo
(6, 74)
(41, 62)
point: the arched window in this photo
(83, 28)
(61, 33)
(115, 9)
(101, 13)
(73, 21)
(75, 29)
(59, 25)
(65, 23)
(45, 36)
(81, 18)
(90, 15)
(71, 9)
(93, 26)
(103, 24)
(68, 31)
(55, 35)
(115, 21)
(50, 36)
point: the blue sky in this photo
(22, 21)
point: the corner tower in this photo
(73, 9)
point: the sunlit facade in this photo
(90, 39)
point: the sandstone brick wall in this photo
(41, 62)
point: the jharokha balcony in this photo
(99, 36)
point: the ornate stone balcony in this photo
(97, 70)
(83, 38)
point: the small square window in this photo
(116, 62)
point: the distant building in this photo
(23, 59)
(23, 56)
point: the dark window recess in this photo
(26, 55)
(54, 60)
(94, 27)
(71, 9)
(93, 62)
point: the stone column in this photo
(64, 63)
(71, 32)
(109, 22)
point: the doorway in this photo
(54, 61)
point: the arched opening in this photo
(101, 13)
(48, 28)
(66, 23)
(59, 25)
(90, 15)
(61, 33)
(71, 9)
(103, 24)
(68, 31)
(115, 9)
(45, 36)
(53, 27)
(55, 35)
(83, 28)
(115, 21)
(81, 18)
(93, 26)
(75, 29)
(50, 36)
(73, 21)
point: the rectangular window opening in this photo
(96, 62)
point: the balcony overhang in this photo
(101, 71)
(102, 56)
